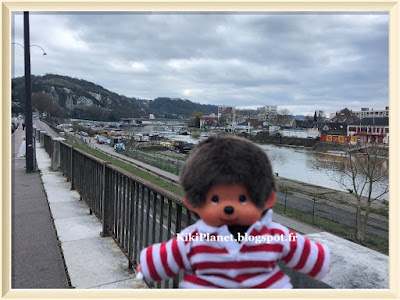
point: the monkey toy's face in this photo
(230, 204)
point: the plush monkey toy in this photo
(228, 182)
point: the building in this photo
(332, 128)
(267, 112)
(211, 117)
(268, 109)
(304, 123)
(345, 116)
(372, 113)
(303, 133)
(228, 112)
(370, 130)
(210, 121)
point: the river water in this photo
(292, 163)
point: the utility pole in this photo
(28, 98)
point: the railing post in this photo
(37, 134)
(34, 151)
(72, 168)
(56, 156)
(105, 201)
(313, 209)
(42, 133)
(284, 212)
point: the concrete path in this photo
(93, 262)
(36, 260)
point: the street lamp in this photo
(30, 163)
(44, 52)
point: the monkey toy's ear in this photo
(271, 201)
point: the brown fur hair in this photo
(226, 159)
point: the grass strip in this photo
(129, 168)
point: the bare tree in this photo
(321, 115)
(361, 174)
(284, 117)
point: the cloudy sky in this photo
(301, 62)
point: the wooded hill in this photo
(79, 98)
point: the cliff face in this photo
(69, 92)
(73, 94)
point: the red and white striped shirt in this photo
(211, 259)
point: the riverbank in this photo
(339, 199)
(292, 142)
(266, 138)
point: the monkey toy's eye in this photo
(214, 199)
(242, 199)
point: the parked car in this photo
(119, 147)
(183, 147)
(115, 140)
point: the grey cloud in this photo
(297, 60)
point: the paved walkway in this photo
(92, 261)
(36, 259)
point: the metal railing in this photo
(135, 212)
(66, 153)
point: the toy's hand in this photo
(139, 274)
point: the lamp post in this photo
(28, 97)
(30, 164)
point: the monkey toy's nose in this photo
(228, 210)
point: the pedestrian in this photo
(23, 125)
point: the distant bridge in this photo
(132, 121)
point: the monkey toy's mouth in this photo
(229, 222)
